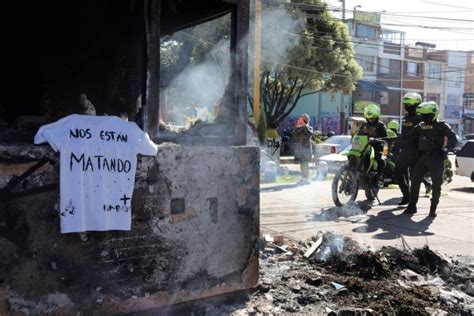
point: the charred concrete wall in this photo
(195, 219)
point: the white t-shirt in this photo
(98, 161)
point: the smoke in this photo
(198, 87)
(333, 244)
(280, 32)
(194, 89)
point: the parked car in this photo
(465, 138)
(333, 162)
(332, 145)
(465, 160)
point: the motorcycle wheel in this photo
(371, 193)
(344, 187)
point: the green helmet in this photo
(371, 111)
(412, 99)
(393, 125)
(428, 109)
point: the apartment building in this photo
(436, 65)
(468, 102)
(390, 61)
(454, 87)
(366, 33)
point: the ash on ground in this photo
(331, 275)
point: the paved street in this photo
(301, 211)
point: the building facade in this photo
(435, 73)
(468, 102)
(454, 87)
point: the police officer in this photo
(408, 152)
(434, 139)
(393, 129)
(393, 133)
(374, 128)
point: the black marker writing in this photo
(117, 208)
(113, 136)
(70, 209)
(99, 162)
(125, 199)
(80, 133)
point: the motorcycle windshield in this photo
(359, 142)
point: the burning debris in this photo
(331, 274)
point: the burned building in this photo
(195, 205)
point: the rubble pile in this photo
(331, 275)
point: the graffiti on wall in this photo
(453, 112)
(330, 124)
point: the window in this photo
(414, 69)
(452, 100)
(433, 97)
(434, 73)
(187, 64)
(365, 31)
(384, 66)
(389, 37)
(384, 97)
(366, 62)
(454, 77)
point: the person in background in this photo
(407, 157)
(302, 133)
(86, 106)
(434, 139)
(393, 132)
(317, 137)
(393, 142)
(124, 116)
(374, 128)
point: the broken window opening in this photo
(197, 93)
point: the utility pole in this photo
(256, 62)
(402, 68)
(343, 10)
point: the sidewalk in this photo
(301, 211)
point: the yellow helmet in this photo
(393, 125)
(412, 99)
(428, 109)
(371, 111)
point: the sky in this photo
(420, 16)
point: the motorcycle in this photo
(360, 173)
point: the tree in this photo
(322, 61)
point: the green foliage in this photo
(191, 46)
(323, 61)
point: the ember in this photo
(348, 280)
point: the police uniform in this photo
(430, 140)
(408, 153)
(376, 130)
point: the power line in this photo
(385, 13)
(299, 15)
(227, 49)
(441, 28)
(351, 40)
(403, 24)
(328, 50)
(422, 77)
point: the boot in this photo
(433, 210)
(428, 189)
(405, 200)
(411, 209)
